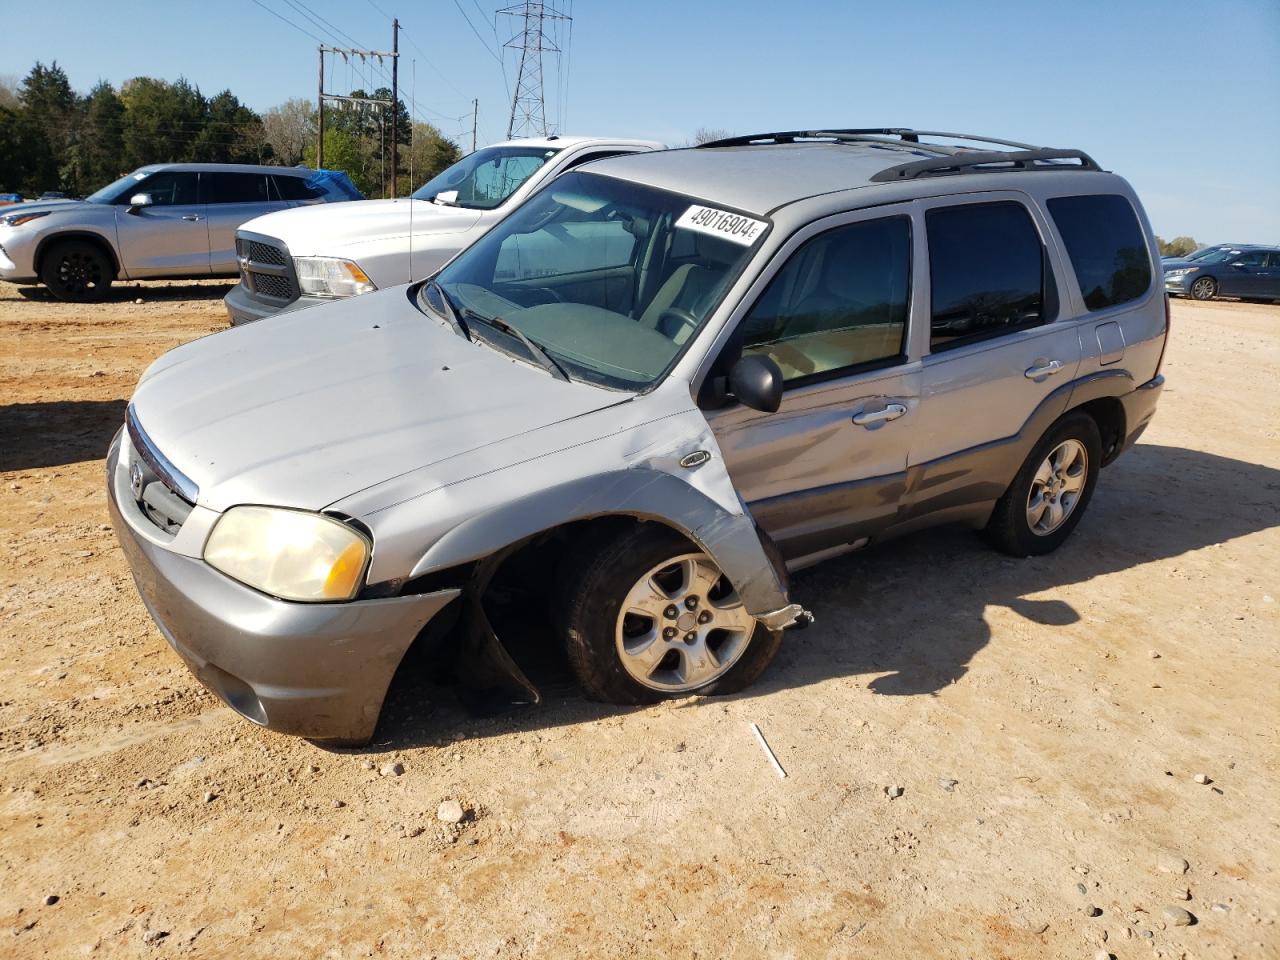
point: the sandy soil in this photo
(1072, 700)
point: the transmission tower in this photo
(528, 103)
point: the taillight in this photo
(1168, 321)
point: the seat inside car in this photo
(697, 265)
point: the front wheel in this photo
(651, 617)
(1051, 491)
(1206, 288)
(76, 271)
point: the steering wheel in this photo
(674, 320)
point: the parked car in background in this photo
(1251, 272)
(6, 199)
(722, 362)
(171, 220)
(302, 257)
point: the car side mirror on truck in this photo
(138, 201)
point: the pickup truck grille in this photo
(266, 270)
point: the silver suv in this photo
(166, 221)
(661, 383)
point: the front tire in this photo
(1206, 288)
(76, 272)
(1051, 490)
(651, 617)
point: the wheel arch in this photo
(89, 236)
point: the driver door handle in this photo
(193, 217)
(1047, 369)
(870, 418)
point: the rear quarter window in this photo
(1107, 248)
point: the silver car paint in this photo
(529, 453)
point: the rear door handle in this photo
(1045, 369)
(870, 418)
(193, 217)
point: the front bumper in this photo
(319, 671)
(243, 307)
(16, 265)
(1179, 286)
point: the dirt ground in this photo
(1045, 719)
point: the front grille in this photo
(265, 253)
(270, 286)
(163, 493)
(266, 269)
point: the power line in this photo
(483, 42)
(289, 22)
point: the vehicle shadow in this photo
(34, 435)
(910, 614)
(157, 292)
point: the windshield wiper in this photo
(535, 349)
(449, 313)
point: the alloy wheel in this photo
(682, 625)
(1057, 486)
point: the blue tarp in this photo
(335, 184)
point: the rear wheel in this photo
(1051, 491)
(1206, 288)
(650, 617)
(76, 271)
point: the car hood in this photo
(48, 206)
(327, 230)
(312, 406)
(1175, 263)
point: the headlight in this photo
(289, 554)
(18, 219)
(1181, 271)
(331, 277)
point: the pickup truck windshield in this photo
(484, 179)
(609, 278)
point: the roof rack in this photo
(992, 161)
(905, 135)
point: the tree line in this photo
(52, 138)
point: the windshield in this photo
(116, 188)
(484, 179)
(609, 278)
(1219, 255)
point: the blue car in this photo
(1247, 271)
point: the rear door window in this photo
(235, 188)
(1106, 246)
(987, 272)
(838, 305)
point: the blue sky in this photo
(1181, 98)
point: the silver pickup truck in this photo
(165, 221)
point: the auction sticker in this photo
(722, 223)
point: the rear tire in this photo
(1051, 491)
(640, 653)
(1206, 288)
(76, 271)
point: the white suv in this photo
(297, 258)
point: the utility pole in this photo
(395, 103)
(528, 104)
(475, 117)
(320, 117)
(380, 102)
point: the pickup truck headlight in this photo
(331, 277)
(290, 554)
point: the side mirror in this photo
(138, 201)
(757, 383)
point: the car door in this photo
(828, 469)
(1271, 276)
(1244, 275)
(234, 199)
(169, 237)
(994, 350)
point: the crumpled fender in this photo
(699, 500)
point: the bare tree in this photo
(9, 90)
(707, 134)
(289, 129)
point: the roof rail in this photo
(993, 161)
(905, 135)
